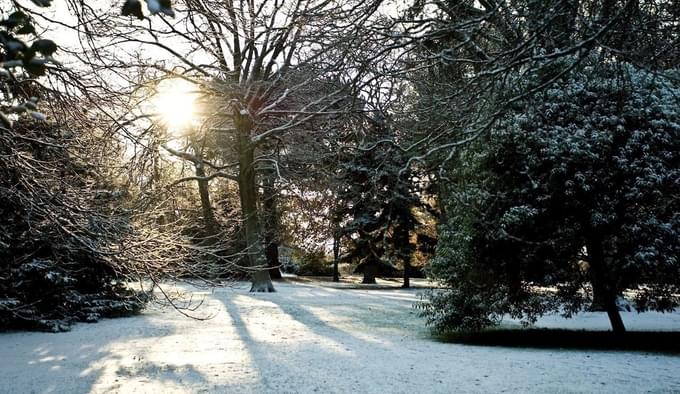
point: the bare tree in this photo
(267, 67)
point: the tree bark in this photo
(271, 251)
(336, 256)
(615, 316)
(403, 248)
(603, 291)
(407, 275)
(370, 272)
(206, 207)
(599, 303)
(271, 242)
(261, 281)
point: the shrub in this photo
(313, 263)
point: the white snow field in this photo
(309, 338)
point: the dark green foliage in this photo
(575, 189)
(132, 8)
(44, 295)
(56, 234)
(377, 198)
(17, 51)
(52, 267)
(42, 3)
(312, 263)
(19, 22)
(45, 47)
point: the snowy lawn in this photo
(311, 337)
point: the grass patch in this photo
(643, 341)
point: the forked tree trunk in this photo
(603, 292)
(261, 281)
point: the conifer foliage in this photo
(377, 197)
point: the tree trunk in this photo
(370, 271)
(603, 292)
(261, 281)
(599, 303)
(206, 207)
(336, 256)
(402, 234)
(271, 251)
(407, 275)
(271, 243)
(615, 316)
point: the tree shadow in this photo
(544, 338)
(71, 361)
(266, 358)
(309, 340)
(315, 343)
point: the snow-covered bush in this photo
(289, 266)
(575, 188)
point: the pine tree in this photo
(377, 198)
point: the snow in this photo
(315, 338)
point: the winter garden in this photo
(298, 196)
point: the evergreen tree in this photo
(575, 189)
(377, 198)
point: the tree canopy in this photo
(574, 189)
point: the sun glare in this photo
(175, 103)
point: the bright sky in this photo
(175, 104)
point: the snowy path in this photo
(307, 338)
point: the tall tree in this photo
(269, 68)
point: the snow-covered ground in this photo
(312, 338)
